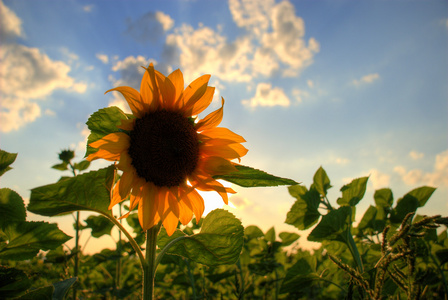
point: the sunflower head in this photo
(166, 154)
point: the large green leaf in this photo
(102, 123)
(99, 225)
(61, 288)
(288, 238)
(253, 232)
(25, 239)
(321, 181)
(6, 159)
(42, 293)
(332, 225)
(410, 202)
(353, 192)
(304, 212)
(300, 276)
(13, 282)
(249, 177)
(12, 207)
(384, 197)
(89, 191)
(219, 242)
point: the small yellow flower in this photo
(166, 155)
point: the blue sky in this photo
(358, 87)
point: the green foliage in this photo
(304, 212)
(99, 225)
(102, 123)
(13, 282)
(6, 159)
(332, 226)
(12, 207)
(218, 243)
(250, 177)
(89, 191)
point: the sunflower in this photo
(166, 154)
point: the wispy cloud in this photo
(10, 24)
(416, 155)
(149, 27)
(103, 58)
(366, 79)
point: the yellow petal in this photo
(149, 90)
(170, 223)
(133, 98)
(125, 163)
(230, 151)
(177, 78)
(203, 102)
(114, 143)
(212, 120)
(104, 155)
(196, 202)
(221, 133)
(194, 92)
(147, 209)
(167, 90)
(185, 211)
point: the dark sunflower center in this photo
(164, 148)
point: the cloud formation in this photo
(266, 95)
(10, 24)
(27, 75)
(438, 177)
(369, 78)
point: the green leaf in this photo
(332, 225)
(368, 218)
(25, 239)
(219, 242)
(300, 276)
(410, 202)
(43, 293)
(102, 123)
(383, 197)
(82, 165)
(442, 255)
(6, 159)
(321, 181)
(249, 177)
(304, 212)
(270, 235)
(353, 192)
(89, 191)
(63, 166)
(13, 282)
(288, 238)
(61, 288)
(12, 208)
(253, 232)
(99, 225)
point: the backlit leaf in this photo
(304, 212)
(61, 167)
(219, 242)
(321, 181)
(25, 239)
(249, 177)
(61, 288)
(103, 122)
(332, 225)
(353, 192)
(89, 191)
(12, 208)
(6, 159)
(410, 202)
(288, 238)
(82, 165)
(383, 197)
(99, 225)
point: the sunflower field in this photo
(392, 253)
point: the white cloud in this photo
(28, 75)
(416, 155)
(265, 95)
(378, 179)
(252, 14)
(103, 58)
(366, 79)
(10, 24)
(438, 177)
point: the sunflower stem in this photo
(149, 267)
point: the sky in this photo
(357, 87)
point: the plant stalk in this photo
(149, 267)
